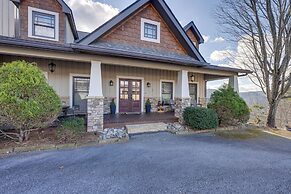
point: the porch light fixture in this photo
(192, 78)
(111, 83)
(149, 85)
(52, 67)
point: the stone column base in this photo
(95, 109)
(181, 104)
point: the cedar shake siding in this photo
(49, 5)
(193, 38)
(129, 33)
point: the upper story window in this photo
(150, 30)
(43, 24)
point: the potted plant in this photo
(148, 106)
(112, 107)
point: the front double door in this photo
(129, 95)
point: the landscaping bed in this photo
(46, 139)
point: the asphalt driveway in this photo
(155, 163)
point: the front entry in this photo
(129, 95)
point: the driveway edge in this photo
(60, 146)
(269, 132)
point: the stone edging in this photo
(60, 146)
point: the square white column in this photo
(233, 82)
(182, 85)
(95, 88)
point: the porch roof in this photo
(121, 51)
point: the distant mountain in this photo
(251, 98)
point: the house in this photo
(142, 53)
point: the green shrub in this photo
(26, 100)
(231, 109)
(71, 128)
(200, 118)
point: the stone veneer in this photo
(181, 104)
(95, 114)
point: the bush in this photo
(70, 129)
(229, 106)
(200, 118)
(27, 102)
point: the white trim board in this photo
(71, 85)
(30, 34)
(142, 37)
(117, 90)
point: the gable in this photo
(129, 32)
(193, 38)
(163, 10)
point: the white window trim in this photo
(143, 21)
(117, 90)
(171, 81)
(30, 24)
(198, 93)
(71, 85)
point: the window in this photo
(43, 24)
(150, 30)
(193, 91)
(167, 92)
(80, 91)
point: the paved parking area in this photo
(155, 163)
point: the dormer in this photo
(194, 34)
(49, 20)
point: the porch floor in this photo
(120, 120)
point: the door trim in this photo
(117, 90)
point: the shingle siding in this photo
(129, 32)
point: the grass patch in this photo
(242, 134)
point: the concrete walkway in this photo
(155, 163)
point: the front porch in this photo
(120, 120)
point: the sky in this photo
(89, 14)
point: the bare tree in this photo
(264, 28)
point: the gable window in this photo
(43, 24)
(150, 30)
(167, 92)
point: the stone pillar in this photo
(233, 82)
(95, 99)
(182, 99)
(181, 104)
(95, 109)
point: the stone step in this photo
(146, 128)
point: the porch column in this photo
(95, 99)
(233, 82)
(182, 94)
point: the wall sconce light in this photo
(52, 67)
(192, 78)
(149, 85)
(111, 83)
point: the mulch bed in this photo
(47, 137)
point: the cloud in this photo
(220, 55)
(218, 39)
(206, 38)
(89, 14)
